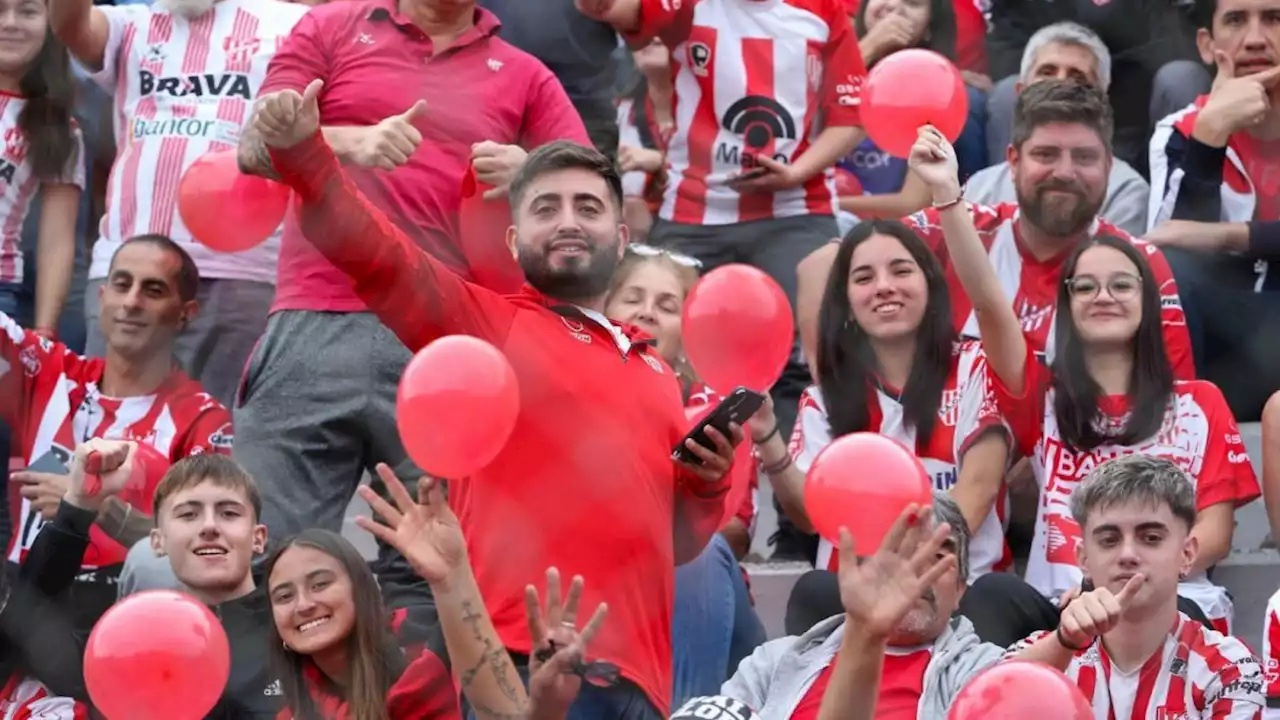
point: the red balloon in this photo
(1016, 690)
(847, 184)
(744, 466)
(908, 89)
(157, 655)
(738, 328)
(225, 209)
(863, 481)
(456, 406)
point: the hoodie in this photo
(776, 677)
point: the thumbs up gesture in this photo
(285, 118)
(389, 144)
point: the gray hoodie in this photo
(775, 678)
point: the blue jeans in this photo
(971, 146)
(713, 626)
(624, 701)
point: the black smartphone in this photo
(49, 463)
(738, 407)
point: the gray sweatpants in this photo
(315, 411)
(216, 345)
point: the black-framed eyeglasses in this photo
(599, 673)
(676, 257)
(1121, 286)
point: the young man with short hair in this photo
(1124, 643)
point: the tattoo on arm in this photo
(496, 659)
(254, 157)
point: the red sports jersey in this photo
(1032, 284)
(26, 699)
(901, 684)
(752, 79)
(967, 410)
(1271, 657)
(1199, 435)
(50, 397)
(1199, 673)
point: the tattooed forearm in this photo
(494, 658)
(253, 156)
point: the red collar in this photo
(569, 310)
(486, 23)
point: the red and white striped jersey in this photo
(50, 397)
(1032, 285)
(1199, 674)
(1271, 657)
(18, 184)
(752, 78)
(633, 182)
(26, 699)
(967, 410)
(182, 88)
(1199, 435)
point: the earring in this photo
(286, 647)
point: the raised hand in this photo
(390, 143)
(496, 164)
(285, 118)
(1094, 613)
(878, 591)
(426, 532)
(933, 160)
(554, 683)
(893, 32)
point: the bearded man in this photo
(184, 74)
(586, 483)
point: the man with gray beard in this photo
(183, 75)
(786, 679)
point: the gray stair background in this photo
(1251, 573)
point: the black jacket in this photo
(54, 652)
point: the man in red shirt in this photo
(417, 93)
(55, 400)
(586, 483)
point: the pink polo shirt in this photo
(376, 63)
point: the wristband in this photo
(768, 437)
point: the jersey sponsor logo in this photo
(849, 92)
(221, 439)
(652, 363)
(1033, 316)
(240, 51)
(577, 329)
(273, 689)
(868, 159)
(1237, 458)
(211, 85)
(699, 58)
(759, 121)
(15, 145)
(30, 361)
(217, 130)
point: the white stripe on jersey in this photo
(629, 136)
(18, 184)
(183, 88)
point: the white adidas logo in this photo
(273, 689)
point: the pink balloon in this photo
(863, 481)
(456, 406)
(225, 209)
(1017, 690)
(157, 655)
(738, 328)
(908, 89)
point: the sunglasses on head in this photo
(678, 258)
(598, 673)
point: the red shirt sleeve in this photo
(979, 394)
(209, 432)
(548, 114)
(667, 19)
(845, 72)
(299, 60)
(1177, 341)
(413, 294)
(971, 37)
(1226, 474)
(748, 508)
(1024, 412)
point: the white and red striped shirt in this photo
(50, 397)
(752, 78)
(1032, 284)
(182, 88)
(26, 699)
(1199, 674)
(1198, 434)
(968, 409)
(19, 184)
(1271, 657)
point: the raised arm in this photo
(414, 295)
(83, 28)
(934, 161)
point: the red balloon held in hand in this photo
(863, 481)
(1017, 690)
(908, 89)
(738, 328)
(225, 209)
(157, 655)
(456, 406)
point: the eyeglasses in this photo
(598, 673)
(1121, 286)
(679, 258)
